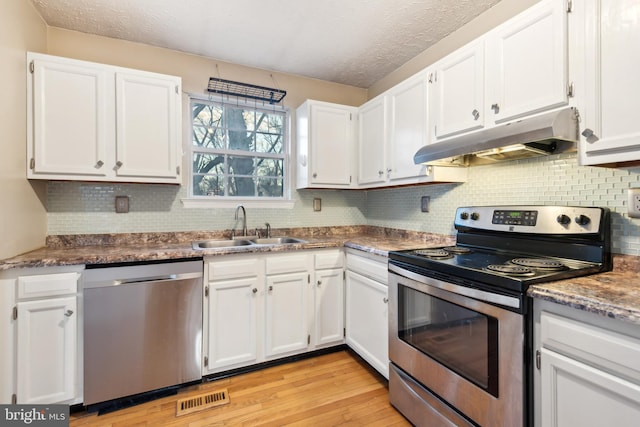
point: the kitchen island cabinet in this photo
(588, 368)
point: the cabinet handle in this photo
(68, 313)
(385, 300)
(118, 164)
(475, 114)
(319, 282)
(254, 290)
(99, 164)
(270, 288)
(495, 108)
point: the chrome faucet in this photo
(268, 229)
(244, 219)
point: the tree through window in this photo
(238, 151)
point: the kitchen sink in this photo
(213, 244)
(277, 240)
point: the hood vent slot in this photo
(544, 134)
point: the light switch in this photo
(317, 204)
(122, 204)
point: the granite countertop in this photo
(136, 247)
(614, 294)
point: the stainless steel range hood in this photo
(544, 134)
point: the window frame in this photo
(197, 201)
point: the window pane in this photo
(241, 140)
(270, 187)
(268, 143)
(239, 165)
(269, 122)
(207, 120)
(208, 185)
(269, 167)
(241, 186)
(208, 163)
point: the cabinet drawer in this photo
(367, 267)
(47, 285)
(591, 344)
(330, 259)
(233, 269)
(289, 263)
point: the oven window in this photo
(463, 340)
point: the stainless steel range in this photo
(459, 319)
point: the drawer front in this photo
(591, 344)
(47, 285)
(375, 270)
(233, 269)
(289, 263)
(329, 259)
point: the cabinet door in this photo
(372, 140)
(286, 314)
(408, 126)
(576, 394)
(329, 307)
(459, 91)
(72, 120)
(366, 320)
(232, 329)
(47, 348)
(527, 61)
(332, 139)
(148, 131)
(610, 123)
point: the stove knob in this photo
(475, 216)
(464, 215)
(582, 220)
(563, 219)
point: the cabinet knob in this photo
(118, 164)
(380, 173)
(68, 313)
(254, 290)
(99, 164)
(270, 288)
(319, 282)
(495, 108)
(315, 175)
(385, 300)
(475, 114)
(590, 135)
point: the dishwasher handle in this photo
(144, 279)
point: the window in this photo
(238, 151)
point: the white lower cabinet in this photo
(268, 306)
(589, 369)
(366, 309)
(46, 329)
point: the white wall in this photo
(23, 223)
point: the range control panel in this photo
(532, 219)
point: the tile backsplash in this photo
(79, 208)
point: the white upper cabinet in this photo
(97, 122)
(526, 63)
(518, 69)
(609, 107)
(458, 91)
(372, 141)
(326, 138)
(408, 126)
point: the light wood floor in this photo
(329, 390)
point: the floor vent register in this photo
(202, 401)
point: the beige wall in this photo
(23, 221)
(480, 25)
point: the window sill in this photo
(202, 203)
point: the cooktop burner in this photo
(540, 263)
(511, 269)
(457, 249)
(434, 253)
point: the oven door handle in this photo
(484, 296)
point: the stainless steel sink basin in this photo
(212, 244)
(277, 240)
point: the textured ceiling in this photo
(355, 42)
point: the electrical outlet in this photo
(633, 203)
(122, 204)
(424, 203)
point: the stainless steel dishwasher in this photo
(142, 328)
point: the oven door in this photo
(463, 351)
